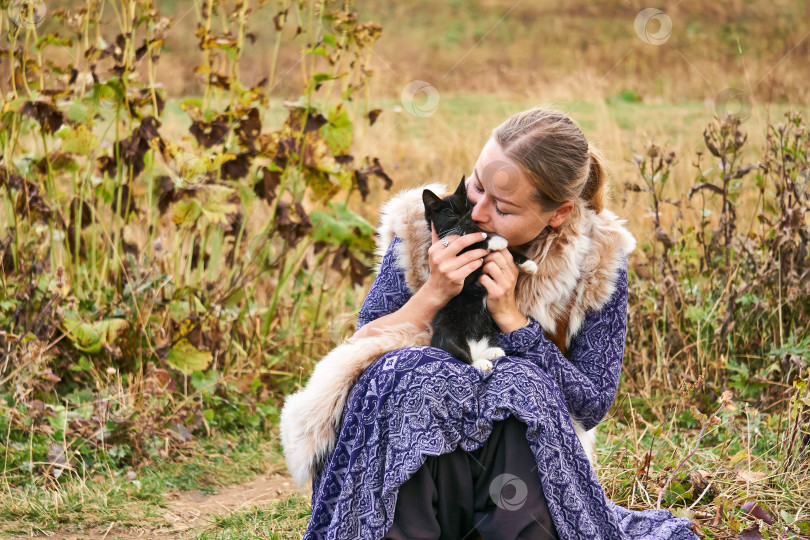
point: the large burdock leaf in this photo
(80, 141)
(213, 205)
(221, 206)
(342, 227)
(186, 213)
(91, 337)
(318, 156)
(339, 131)
(187, 358)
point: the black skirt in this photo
(491, 493)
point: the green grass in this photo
(95, 499)
(283, 519)
(740, 457)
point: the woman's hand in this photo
(448, 269)
(499, 279)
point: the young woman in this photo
(430, 447)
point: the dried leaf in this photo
(704, 185)
(751, 476)
(49, 117)
(238, 167)
(249, 128)
(757, 512)
(751, 533)
(210, 133)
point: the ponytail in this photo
(551, 150)
(594, 191)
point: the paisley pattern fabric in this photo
(421, 401)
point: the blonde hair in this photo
(553, 153)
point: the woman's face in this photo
(504, 199)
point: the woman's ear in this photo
(560, 214)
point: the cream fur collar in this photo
(577, 262)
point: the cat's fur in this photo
(464, 327)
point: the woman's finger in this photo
(473, 254)
(434, 237)
(461, 242)
(505, 263)
(493, 270)
(489, 284)
(461, 273)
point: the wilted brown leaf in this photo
(49, 117)
(757, 512)
(210, 133)
(248, 128)
(235, 169)
(267, 184)
(751, 476)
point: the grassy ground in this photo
(91, 501)
(737, 460)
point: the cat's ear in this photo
(461, 190)
(432, 203)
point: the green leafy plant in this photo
(153, 284)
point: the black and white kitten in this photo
(464, 327)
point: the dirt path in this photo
(189, 511)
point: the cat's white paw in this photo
(482, 364)
(496, 242)
(493, 352)
(530, 267)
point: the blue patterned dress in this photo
(420, 401)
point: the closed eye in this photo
(479, 189)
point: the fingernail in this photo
(484, 234)
(482, 260)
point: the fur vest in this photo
(577, 265)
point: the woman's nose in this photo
(478, 213)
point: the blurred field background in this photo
(158, 303)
